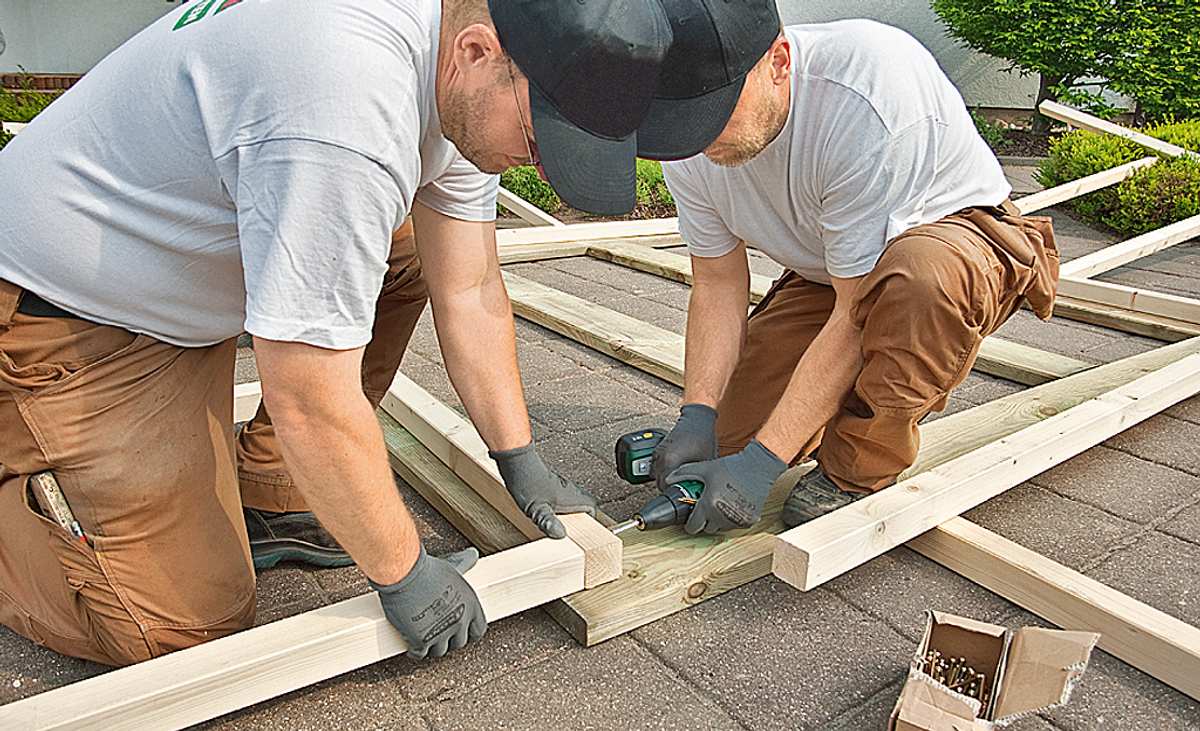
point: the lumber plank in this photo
(1083, 120)
(661, 352)
(1141, 301)
(518, 253)
(1133, 249)
(1076, 188)
(202, 682)
(13, 127)
(525, 210)
(1146, 638)
(1129, 321)
(246, 397)
(666, 571)
(581, 232)
(811, 554)
(454, 440)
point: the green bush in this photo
(1145, 49)
(992, 133)
(652, 193)
(22, 106)
(4, 138)
(1153, 197)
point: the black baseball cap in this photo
(593, 68)
(715, 44)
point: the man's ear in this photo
(781, 60)
(477, 44)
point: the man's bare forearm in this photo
(335, 454)
(716, 326)
(479, 346)
(817, 388)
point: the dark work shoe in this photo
(276, 537)
(813, 496)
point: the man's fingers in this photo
(696, 521)
(686, 473)
(544, 518)
(478, 627)
(441, 647)
(461, 637)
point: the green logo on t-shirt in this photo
(200, 9)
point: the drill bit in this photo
(634, 522)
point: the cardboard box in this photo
(1028, 670)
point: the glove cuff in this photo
(417, 568)
(764, 459)
(699, 413)
(509, 455)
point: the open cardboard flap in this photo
(929, 706)
(1041, 670)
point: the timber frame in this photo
(599, 586)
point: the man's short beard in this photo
(462, 116)
(768, 123)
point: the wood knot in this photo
(697, 590)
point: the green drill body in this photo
(634, 452)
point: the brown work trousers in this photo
(936, 292)
(140, 436)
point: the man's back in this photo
(119, 201)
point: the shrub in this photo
(992, 133)
(4, 138)
(1153, 197)
(23, 106)
(653, 197)
(1146, 49)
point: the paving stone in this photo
(1112, 695)
(678, 297)
(619, 292)
(980, 388)
(1056, 336)
(601, 441)
(1164, 440)
(573, 404)
(1067, 531)
(1159, 570)
(615, 685)
(1022, 180)
(1188, 410)
(353, 702)
(1185, 286)
(721, 647)
(598, 476)
(1074, 237)
(432, 377)
(899, 586)
(587, 358)
(873, 714)
(632, 281)
(27, 669)
(1121, 483)
(1185, 525)
(664, 392)
(424, 338)
(1181, 259)
(762, 264)
(539, 364)
(1123, 346)
(245, 368)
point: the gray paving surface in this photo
(762, 656)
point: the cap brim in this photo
(591, 173)
(675, 129)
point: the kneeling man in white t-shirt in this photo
(850, 159)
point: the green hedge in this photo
(652, 194)
(4, 138)
(23, 106)
(1161, 194)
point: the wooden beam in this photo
(581, 232)
(811, 554)
(246, 397)
(1117, 255)
(1141, 301)
(667, 570)
(1130, 321)
(454, 441)
(224, 675)
(1146, 638)
(660, 352)
(518, 253)
(13, 127)
(1076, 188)
(525, 210)
(1083, 120)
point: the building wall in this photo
(69, 36)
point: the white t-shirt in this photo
(878, 141)
(239, 164)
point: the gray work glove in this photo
(539, 491)
(735, 488)
(694, 439)
(434, 608)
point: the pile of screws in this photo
(954, 673)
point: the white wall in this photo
(69, 36)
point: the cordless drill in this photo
(634, 453)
